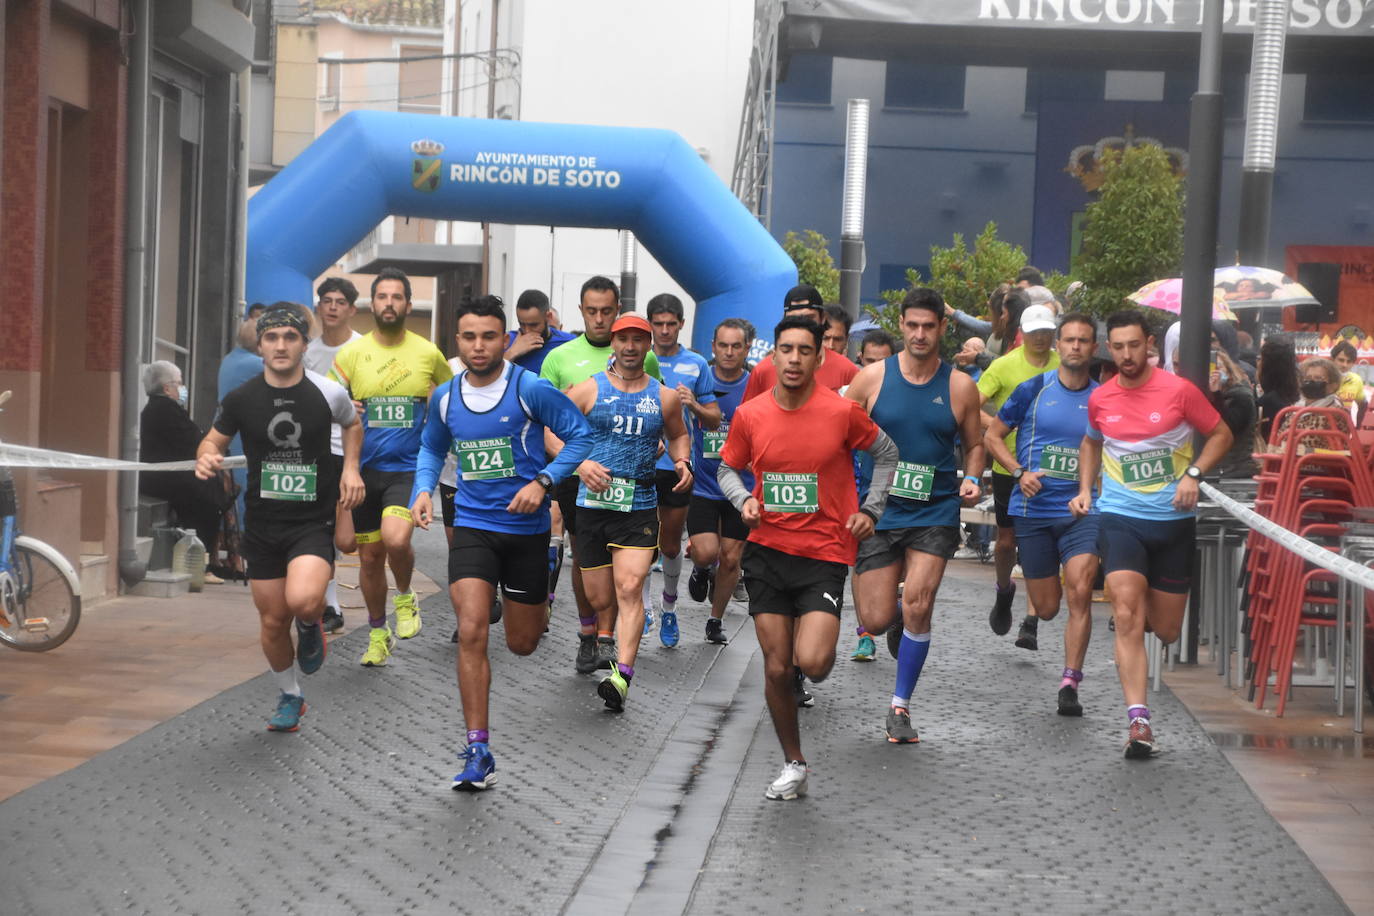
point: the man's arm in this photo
(866, 385)
(210, 453)
(1089, 466)
(435, 440)
(351, 490)
(678, 440)
(1218, 442)
(885, 454)
(966, 395)
(570, 429)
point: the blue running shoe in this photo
(648, 621)
(287, 718)
(309, 647)
(667, 629)
(479, 769)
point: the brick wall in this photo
(105, 265)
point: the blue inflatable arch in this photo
(371, 164)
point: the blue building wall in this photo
(937, 171)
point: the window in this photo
(420, 82)
(331, 78)
(807, 80)
(1338, 97)
(913, 84)
(1053, 85)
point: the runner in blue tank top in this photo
(492, 418)
(617, 518)
(923, 407)
(1049, 414)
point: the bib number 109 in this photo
(796, 493)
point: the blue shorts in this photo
(1045, 544)
(1161, 550)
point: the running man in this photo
(1049, 413)
(492, 419)
(1034, 357)
(389, 373)
(536, 339)
(924, 407)
(714, 527)
(284, 417)
(876, 346)
(1141, 426)
(335, 308)
(806, 519)
(688, 373)
(834, 371)
(574, 362)
(617, 519)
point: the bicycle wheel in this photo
(38, 610)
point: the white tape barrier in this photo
(1313, 553)
(22, 456)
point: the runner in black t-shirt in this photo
(284, 417)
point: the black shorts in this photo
(780, 583)
(565, 494)
(883, 548)
(1161, 551)
(601, 530)
(446, 503)
(268, 549)
(387, 493)
(709, 516)
(664, 481)
(519, 563)
(1002, 485)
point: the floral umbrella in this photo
(1260, 287)
(1167, 296)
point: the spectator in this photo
(1351, 391)
(837, 325)
(1278, 378)
(1321, 379)
(876, 345)
(255, 311)
(1029, 276)
(1234, 399)
(967, 357)
(167, 433)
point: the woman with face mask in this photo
(1320, 381)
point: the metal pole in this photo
(1204, 199)
(629, 273)
(1261, 131)
(852, 207)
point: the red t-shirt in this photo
(812, 445)
(834, 373)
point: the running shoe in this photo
(804, 699)
(1140, 740)
(309, 647)
(287, 718)
(1028, 636)
(606, 652)
(494, 615)
(863, 652)
(1000, 618)
(332, 621)
(899, 727)
(407, 615)
(454, 637)
(648, 620)
(715, 631)
(667, 629)
(699, 583)
(612, 690)
(479, 769)
(790, 784)
(586, 653)
(968, 553)
(1068, 701)
(894, 639)
(741, 593)
(380, 642)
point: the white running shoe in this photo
(790, 784)
(967, 553)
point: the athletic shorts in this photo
(781, 583)
(601, 530)
(1002, 485)
(711, 516)
(446, 494)
(565, 494)
(883, 548)
(664, 481)
(519, 563)
(1161, 551)
(387, 493)
(268, 549)
(1045, 544)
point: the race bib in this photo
(790, 492)
(391, 412)
(618, 497)
(291, 482)
(913, 481)
(1147, 469)
(484, 459)
(713, 440)
(1059, 462)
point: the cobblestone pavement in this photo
(1003, 805)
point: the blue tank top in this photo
(920, 419)
(626, 427)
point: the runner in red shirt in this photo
(806, 521)
(834, 371)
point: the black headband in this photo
(283, 318)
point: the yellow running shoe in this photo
(407, 615)
(379, 645)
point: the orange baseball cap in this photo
(632, 322)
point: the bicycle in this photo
(40, 593)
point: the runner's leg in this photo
(397, 528)
(1079, 574)
(629, 569)
(372, 578)
(775, 634)
(727, 575)
(471, 602)
(1129, 596)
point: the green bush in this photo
(810, 251)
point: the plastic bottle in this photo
(188, 556)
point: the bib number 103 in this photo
(790, 493)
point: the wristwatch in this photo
(1016, 474)
(1194, 472)
(545, 481)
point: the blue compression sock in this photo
(911, 658)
